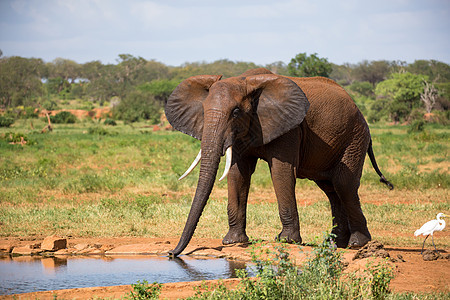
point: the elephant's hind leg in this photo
(341, 226)
(348, 193)
(238, 188)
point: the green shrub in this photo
(6, 121)
(277, 277)
(144, 290)
(110, 122)
(63, 117)
(17, 137)
(98, 130)
(364, 88)
(138, 105)
(417, 126)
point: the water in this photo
(32, 274)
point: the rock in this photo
(63, 252)
(400, 258)
(429, 255)
(80, 247)
(132, 249)
(372, 249)
(53, 243)
(6, 247)
(25, 250)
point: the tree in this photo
(303, 65)
(278, 67)
(402, 91)
(136, 106)
(66, 69)
(437, 71)
(342, 73)
(160, 89)
(429, 96)
(20, 80)
(373, 72)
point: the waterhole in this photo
(31, 274)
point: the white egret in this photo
(430, 227)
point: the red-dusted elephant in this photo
(302, 127)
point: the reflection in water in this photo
(29, 274)
(198, 273)
(53, 264)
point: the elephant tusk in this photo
(193, 165)
(227, 163)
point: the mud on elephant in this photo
(302, 127)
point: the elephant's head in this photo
(234, 113)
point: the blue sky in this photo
(260, 31)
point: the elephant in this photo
(302, 127)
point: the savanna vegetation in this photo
(137, 88)
(116, 176)
(92, 179)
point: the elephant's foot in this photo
(358, 239)
(289, 236)
(234, 238)
(342, 238)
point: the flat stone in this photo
(64, 252)
(132, 249)
(6, 247)
(53, 243)
(25, 250)
(80, 247)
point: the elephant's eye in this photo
(236, 112)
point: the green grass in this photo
(88, 179)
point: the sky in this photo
(175, 32)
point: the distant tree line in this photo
(137, 88)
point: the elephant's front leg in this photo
(238, 188)
(284, 179)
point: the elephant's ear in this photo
(184, 108)
(280, 105)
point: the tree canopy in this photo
(389, 90)
(303, 65)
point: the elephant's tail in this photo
(375, 166)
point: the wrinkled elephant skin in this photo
(302, 127)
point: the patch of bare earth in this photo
(412, 272)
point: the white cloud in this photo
(260, 31)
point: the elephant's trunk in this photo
(212, 144)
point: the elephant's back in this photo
(331, 124)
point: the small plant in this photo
(63, 117)
(17, 138)
(144, 290)
(382, 275)
(417, 126)
(110, 122)
(6, 121)
(100, 131)
(321, 277)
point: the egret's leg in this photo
(432, 240)
(424, 243)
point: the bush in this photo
(364, 88)
(110, 122)
(138, 105)
(417, 126)
(321, 277)
(100, 131)
(63, 117)
(6, 121)
(17, 137)
(144, 290)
